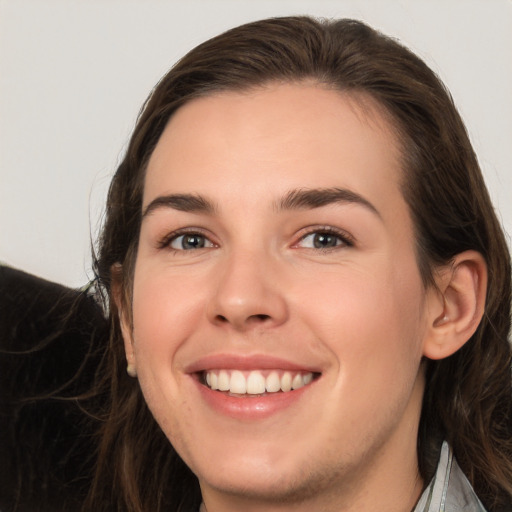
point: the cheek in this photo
(369, 317)
(163, 320)
(371, 324)
(165, 310)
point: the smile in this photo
(256, 382)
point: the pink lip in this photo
(244, 362)
(248, 408)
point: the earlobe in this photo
(131, 366)
(123, 318)
(457, 306)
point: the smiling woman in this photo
(314, 302)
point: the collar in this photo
(449, 490)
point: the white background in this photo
(74, 73)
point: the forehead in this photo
(274, 138)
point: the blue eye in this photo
(323, 240)
(190, 241)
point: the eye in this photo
(325, 239)
(189, 241)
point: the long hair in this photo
(468, 398)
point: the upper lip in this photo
(247, 362)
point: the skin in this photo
(356, 312)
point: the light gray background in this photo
(74, 73)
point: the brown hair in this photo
(468, 398)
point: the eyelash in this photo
(346, 239)
(166, 241)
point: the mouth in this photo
(255, 383)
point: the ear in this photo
(456, 307)
(124, 317)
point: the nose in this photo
(248, 294)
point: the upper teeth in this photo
(254, 382)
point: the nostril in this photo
(260, 318)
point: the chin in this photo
(270, 486)
(267, 479)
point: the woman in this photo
(308, 281)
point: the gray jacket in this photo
(449, 490)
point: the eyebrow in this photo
(182, 202)
(303, 199)
(297, 199)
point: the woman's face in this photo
(276, 251)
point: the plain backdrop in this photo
(74, 73)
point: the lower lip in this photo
(251, 407)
